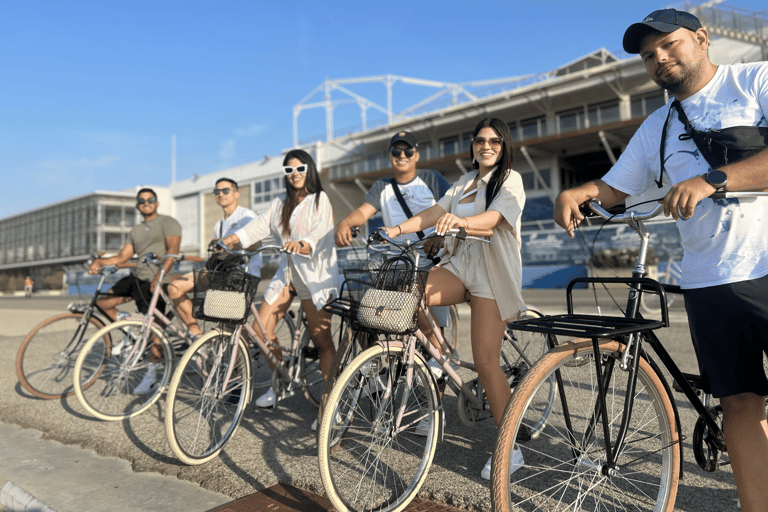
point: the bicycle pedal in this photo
(310, 353)
(693, 380)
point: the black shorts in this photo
(138, 290)
(729, 328)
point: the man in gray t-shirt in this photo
(157, 234)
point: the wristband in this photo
(301, 244)
(399, 230)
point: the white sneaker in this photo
(268, 399)
(148, 382)
(435, 368)
(123, 343)
(338, 422)
(515, 463)
(422, 428)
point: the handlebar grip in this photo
(480, 233)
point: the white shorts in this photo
(468, 264)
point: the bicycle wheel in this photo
(312, 382)
(451, 331)
(379, 464)
(47, 355)
(113, 363)
(650, 302)
(200, 413)
(519, 352)
(564, 466)
(262, 373)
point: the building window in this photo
(113, 215)
(449, 146)
(466, 142)
(646, 104)
(533, 128)
(266, 190)
(604, 113)
(570, 120)
(113, 241)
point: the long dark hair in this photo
(312, 184)
(504, 165)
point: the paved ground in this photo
(272, 446)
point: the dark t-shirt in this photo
(150, 237)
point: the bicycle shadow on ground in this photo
(147, 432)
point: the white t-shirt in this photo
(726, 241)
(225, 227)
(420, 193)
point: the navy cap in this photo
(661, 21)
(406, 137)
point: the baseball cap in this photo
(664, 21)
(406, 137)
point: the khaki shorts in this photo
(468, 264)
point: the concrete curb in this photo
(16, 499)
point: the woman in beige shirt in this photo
(489, 276)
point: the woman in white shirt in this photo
(303, 224)
(489, 276)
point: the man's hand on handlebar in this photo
(682, 198)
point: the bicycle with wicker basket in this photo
(371, 456)
(213, 382)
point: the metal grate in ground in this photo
(285, 498)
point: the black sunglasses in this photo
(141, 201)
(396, 152)
(301, 169)
(224, 191)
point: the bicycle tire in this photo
(199, 419)
(559, 473)
(262, 373)
(105, 380)
(375, 466)
(46, 357)
(519, 353)
(312, 382)
(451, 331)
(650, 302)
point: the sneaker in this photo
(268, 399)
(515, 463)
(435, 368)
(122, 344)
(314, 423)
(422, 428)
(148, 382)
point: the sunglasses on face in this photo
(141, 201)
(301, 169)
(224, 191)
(494, 143)
(396, 152)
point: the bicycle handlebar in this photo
(630, 216)
(242, 252)
(458, 233)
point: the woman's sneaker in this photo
(515, 463)
(422, 428)
(148, 382)
(268, 399)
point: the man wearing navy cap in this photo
(725, 266)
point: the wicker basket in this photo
(223, 296)
(386, 300)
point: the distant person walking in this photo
(28, 285)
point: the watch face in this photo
(717, 178)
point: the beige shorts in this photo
(468, 264)
(302, 290)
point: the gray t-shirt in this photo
(150, 237)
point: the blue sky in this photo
(92, 91)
